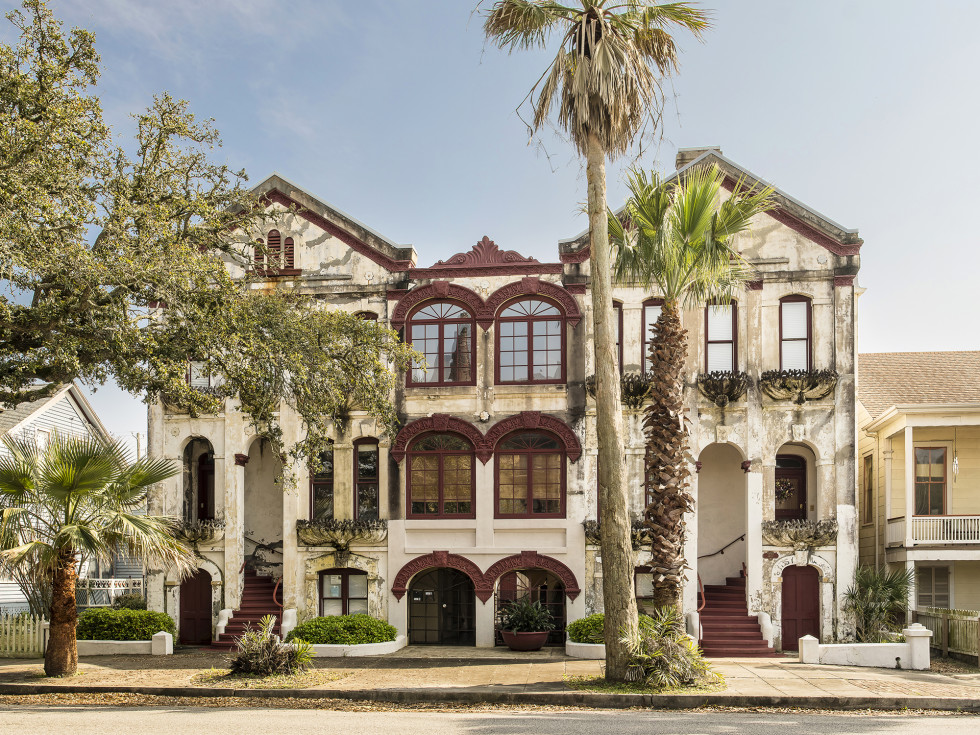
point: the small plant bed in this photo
(599, 684)
(346, 630)
(225, 679)
(123, 624)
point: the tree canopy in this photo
(114, 260)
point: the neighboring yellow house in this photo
(919, 471)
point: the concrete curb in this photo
(560, 699)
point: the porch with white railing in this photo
(925, 530)
(103, 592)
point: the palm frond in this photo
(523, 24)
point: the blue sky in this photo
(393, 111)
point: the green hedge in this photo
(589, 628)
(107, 624)
(347, 630)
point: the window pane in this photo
(367, 461)
(456, 359)
(650, 316)
(720, 357)
(794, 319)
(357, 607)
(322, 501)
(794, 355)
(367, 502)
(720, 323)
(357, 585)
(333, 607)
(644, 585)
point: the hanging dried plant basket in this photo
(799, 534)
(722, 387)
(201, 532)
(341, 534)
(633, 387)
(798, 386)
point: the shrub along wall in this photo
(346, 630)
(107, 624)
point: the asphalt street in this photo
(194, 721)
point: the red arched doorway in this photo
(801, 605)
(541, 586)
(195, 609)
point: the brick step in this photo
(759, 645)
(725, 653)
(722, 635)
(726, 614)
(725, 602)
(725, 588)
(735, 581)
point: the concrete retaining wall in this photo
(161, 645)
(592, 651)
(913, 654)
(362, 649)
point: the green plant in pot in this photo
(525, 624)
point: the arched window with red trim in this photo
(530, 476)
(531, 342)
(441, 477)
(443, 331)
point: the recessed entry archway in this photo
(442, 608)
(198, 466)
(263, 508)
(721, 514)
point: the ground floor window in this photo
(343, 592)
(932, 587)
(644, 590)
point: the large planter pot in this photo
(524, 641)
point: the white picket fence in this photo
(21, 636)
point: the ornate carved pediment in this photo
(799, 534)
(721, 387)
(484, 253)
(798, 386)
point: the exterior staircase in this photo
(257, 602)
(727, 629)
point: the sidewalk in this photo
(468, 675)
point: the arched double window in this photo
(443, 332)
(441, 477)
(531, 342)
(530, 476)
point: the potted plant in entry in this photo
(524, 625)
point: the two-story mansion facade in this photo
(486, 487)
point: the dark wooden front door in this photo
(195, 609)
(790, 487)
(442, 608)
(801, 605)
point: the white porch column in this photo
(295, 505)
(234, 529)
(690, 599)
(909, 484)
(484, 623)
(753, 531)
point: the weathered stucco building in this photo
(486, 489)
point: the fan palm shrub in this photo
(79, 498)
(879, 601)
(604, 83)
(678, 236)
(663, 655)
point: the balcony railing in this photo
(927, 530)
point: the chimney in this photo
(686, 155)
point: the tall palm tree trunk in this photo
(667, 458)
(617, 549)
(61, 656)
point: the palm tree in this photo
(678, 236)
(605, 83)
(79, 498)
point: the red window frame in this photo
(529, 466)
(646, 336)
(345, 598)
(440, 455)
(795, 299)
(733, 341)
(366, 482)
(440, 324)
(929, 484)
(281, 256)
(529, 352)
(324, 483)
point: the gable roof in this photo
(887, 379)
(788, 211)
(359, 237)
(12, 419)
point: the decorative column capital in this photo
(241, 460)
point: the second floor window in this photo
(366, 480)
(530, 343)
(651, 312)
(930, 481)
(794, 333)
(530, 476)
(321, 488)
(279, 254)
(441, 477)
(720, 330)
(443, 332)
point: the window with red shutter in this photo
(275, 249)
(287, 254)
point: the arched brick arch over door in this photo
(534, 560)
(440, 422)
(533, 421)
(442, 559)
